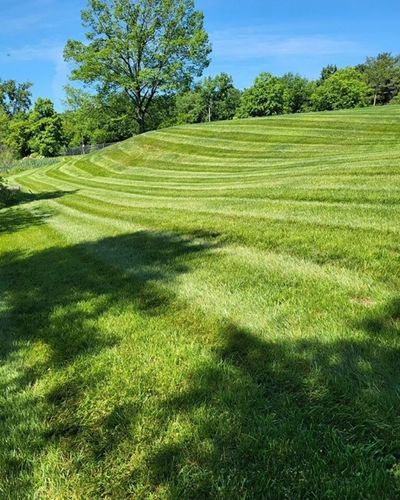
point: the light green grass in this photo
(207, 312)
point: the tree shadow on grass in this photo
(19, 197)
(13, 218)
(52, 303)
(256, 418)
(28, 197)
(289, 419)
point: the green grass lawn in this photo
(207, 312)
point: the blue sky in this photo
(248, 36)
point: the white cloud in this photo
(42, 52)
(12, 26)
(61, 77)
(249, 43)
(25, 17)
(46, 53)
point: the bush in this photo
(4, 193)
(396, 99)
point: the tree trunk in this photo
(141, 121)
(140, 109)
(375, 98)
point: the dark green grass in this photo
(195, 327)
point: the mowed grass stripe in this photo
(370, 212)
(294, 191)
(301, 211)
(270, 176)
(381, 221)
(321, 245)
(131, 213)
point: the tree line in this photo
(140, 69)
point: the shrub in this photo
(4, 193)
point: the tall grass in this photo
(11, 165)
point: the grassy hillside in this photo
(207, 312)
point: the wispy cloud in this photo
(46, 53)
(41, 52)
(256, 43)
(18, 17)
(13, 26)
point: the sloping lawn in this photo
(207, 312)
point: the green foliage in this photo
(108, 118)
(39, 132)
(382, 74)
(215, 98)
(46, 129)
(162, 112)
(141, 47)
(327, 72)
(15, 97)
(95, 119)
(81, 118)
(4, 125)
(43, 109)
(19, 135)
(220, 98)
(3, 193)
(14, 101)
(396, 99)
(266, 97)
(190, 107)
(343, 90)
(297, 94)
(272, 95)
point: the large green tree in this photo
(214, 98)
(297, 93)
(39, 132)
(143, 47)
(15, 97)
(382, 74)
(46, 129)
(5, 154)
(95, 119)
(4, 125)
(189, 107)
(343, 90)
(18, 137)
(220, 97)
(266, 97)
